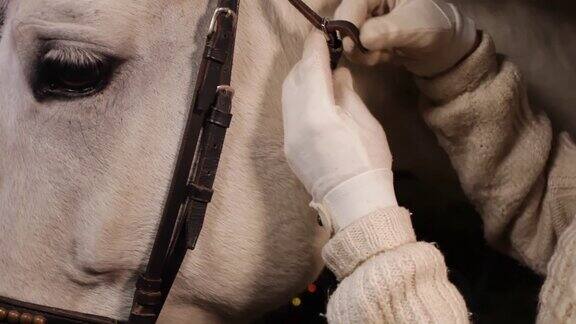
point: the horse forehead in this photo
(83, 9)
(120, 26)
(114, 14)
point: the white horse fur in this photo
(82, 182)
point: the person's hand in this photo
(427, 36)
(333, 144)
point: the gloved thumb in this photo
(307, 92)
(312, 75)
(315, 47)
(410, 25)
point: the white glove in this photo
(332, 142)
(427, 36)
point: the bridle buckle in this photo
(214, 22)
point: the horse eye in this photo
(60, 78)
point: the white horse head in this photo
(87, 157)
(83, 175)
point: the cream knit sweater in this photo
(520, 177)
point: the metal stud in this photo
(26, 318)
(13, 317)
(3, 314)
(39, 320)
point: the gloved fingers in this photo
(356, 12)
(371, 58)
(349, 102)
(344, 93)
(383, 33)
(342, 79)
(356, 56)
(358, 117)
(411, 25)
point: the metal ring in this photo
(226, 88)
(213, 23)
(324, 27)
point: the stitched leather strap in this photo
(190, 190)
(13, 311)
(195, 171)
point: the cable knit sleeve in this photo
(503, 154)
(520, 177)
(388, 277)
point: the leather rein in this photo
(194, 173)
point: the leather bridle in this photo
(194, 174)
(334, 30)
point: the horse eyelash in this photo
(74, 56)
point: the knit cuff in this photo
(465, 77)
(557, 304)
(382, 230)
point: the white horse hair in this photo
(82, 182)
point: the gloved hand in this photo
(427, 36)
(332, 142)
